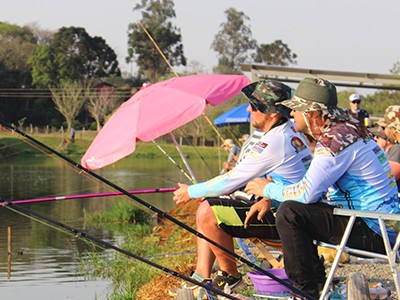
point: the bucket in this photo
(264, 284)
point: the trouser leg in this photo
(300, 224)
(302, 265)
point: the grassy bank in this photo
(167, 245)
(14, 144)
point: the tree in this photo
(194, 67)
(277, 54)
(395, 70)
(156, 19)
(233, 42)
(43, 36)
(17, 45)
(69, 98)
(73, 55)
(100, 102)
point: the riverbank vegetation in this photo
(13, 144)
(160, 242)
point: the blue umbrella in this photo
(234, 116)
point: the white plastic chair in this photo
(391, 253)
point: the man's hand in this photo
(181, 195)
(259, 208)
(256, 186)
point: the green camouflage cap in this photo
(266, 93)
(316, 94)
(391, 119)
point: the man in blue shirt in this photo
(349, 165)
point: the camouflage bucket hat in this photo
(316, 94)
(266, 93)
(391, 119)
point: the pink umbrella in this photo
(156, 110)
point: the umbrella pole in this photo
(194, 180)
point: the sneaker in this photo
(224, 280)
(196, 289)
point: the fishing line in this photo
(161, 213)
(197, 151)
(233, 135)
(83, 235)
(173, 161)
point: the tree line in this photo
(69, 78)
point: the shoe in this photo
(225, 281)
(196, 289)
(378, 292)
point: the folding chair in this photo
(391, 253)
(259, 243)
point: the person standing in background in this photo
(73, 132)
(355, 108)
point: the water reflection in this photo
(45, 261)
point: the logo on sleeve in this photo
(297, 144)
(258, 148)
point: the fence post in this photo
(9, 253)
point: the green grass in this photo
(127, 274)
(15, 144)
(121, 213)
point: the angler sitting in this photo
(280, 152)
(350, 165)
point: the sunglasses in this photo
(253, 107)
(356, 101)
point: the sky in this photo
(340, 35)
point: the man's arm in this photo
(323, 172)
(267, 156)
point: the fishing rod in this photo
(83, 196)
(192, 179)
(83, 235)
(159, 212)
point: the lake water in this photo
(44, 261)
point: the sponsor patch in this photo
(259, 147)
(297, 144)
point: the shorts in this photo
(231, 213)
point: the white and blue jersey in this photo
(358, 177)
(281, 153)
